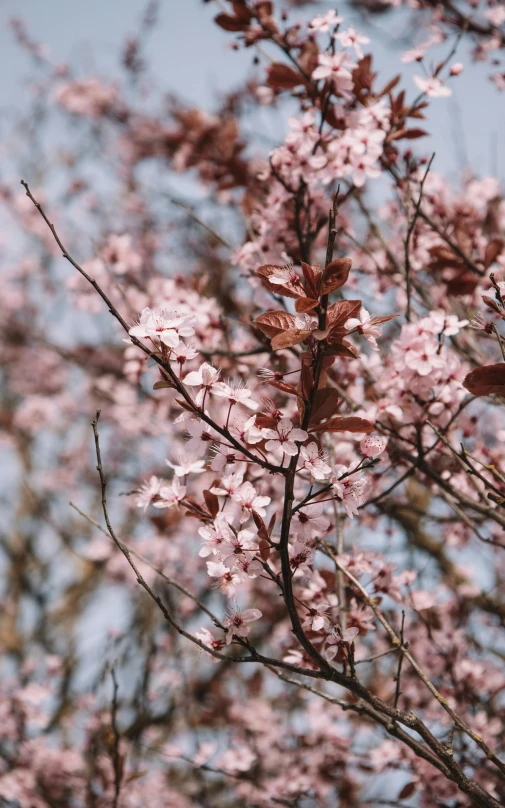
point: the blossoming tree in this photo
(254, 548)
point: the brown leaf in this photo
(341, 311)
(342, 348)
(275, 322)
(289, 338)
(305, 304)
(229, 23)
(283, 77)
(335, 275)
(407, 791)
(350, 423)
(266, 271)
(487, 380)
(324, 406)
(492, 252)
(260, 525)
(212, 503)
(311, 275)
(264, 546)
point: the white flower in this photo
(351, 39)
(246, 431)
(283, 437)
(228, 580)
(214, 536)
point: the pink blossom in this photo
(338, 69)
(201, 436)
(323, 22)
(283, 437)
(166, 326)
(170, 495)
(432, 87)
(309, 521)
(205, 376)
(313, 461)
(317, 618)
(148, 493)
(236, 394)
(228, 580)
(188, 464)
(373, 445)
(456, 69)
(351, 39)
(237, 623)
(250, 500)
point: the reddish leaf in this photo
(462, 284)
(350, 423)
(342, 348)
(389, 86)
(335, 275)
(289, 338)
(283, 77)
(229, 23)
(407, 791)
(341, 311)
(275, 322)
(184, 405)
(305, 304)
(264, 549)
(325, 405)
(260, 525)
(311, 275)
(266, 271)
(486, 380)
(212, 503)
(492, 252)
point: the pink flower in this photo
(366, 325)
(246, 431)
(228, 580)
(205, 376)
(337, 69)
(238, 759)
(214, 536)
(207, 638)
(301, 556)
(237, 394)
(351, 39)
(225, 458)
(230, 484)
(236, 623)
(317, 618)
(313, 461)
(423, 356)
(170, 495)
(373, 445)
(201, 436)
(250, 501)
(338, 637)
(283, 437)
(432, 87)
(148, 492)
(456, 69)
(187, 465)
(323, 22)
(166, 326)
(309, 521)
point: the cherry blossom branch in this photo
(404, 651)
(166, 369)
